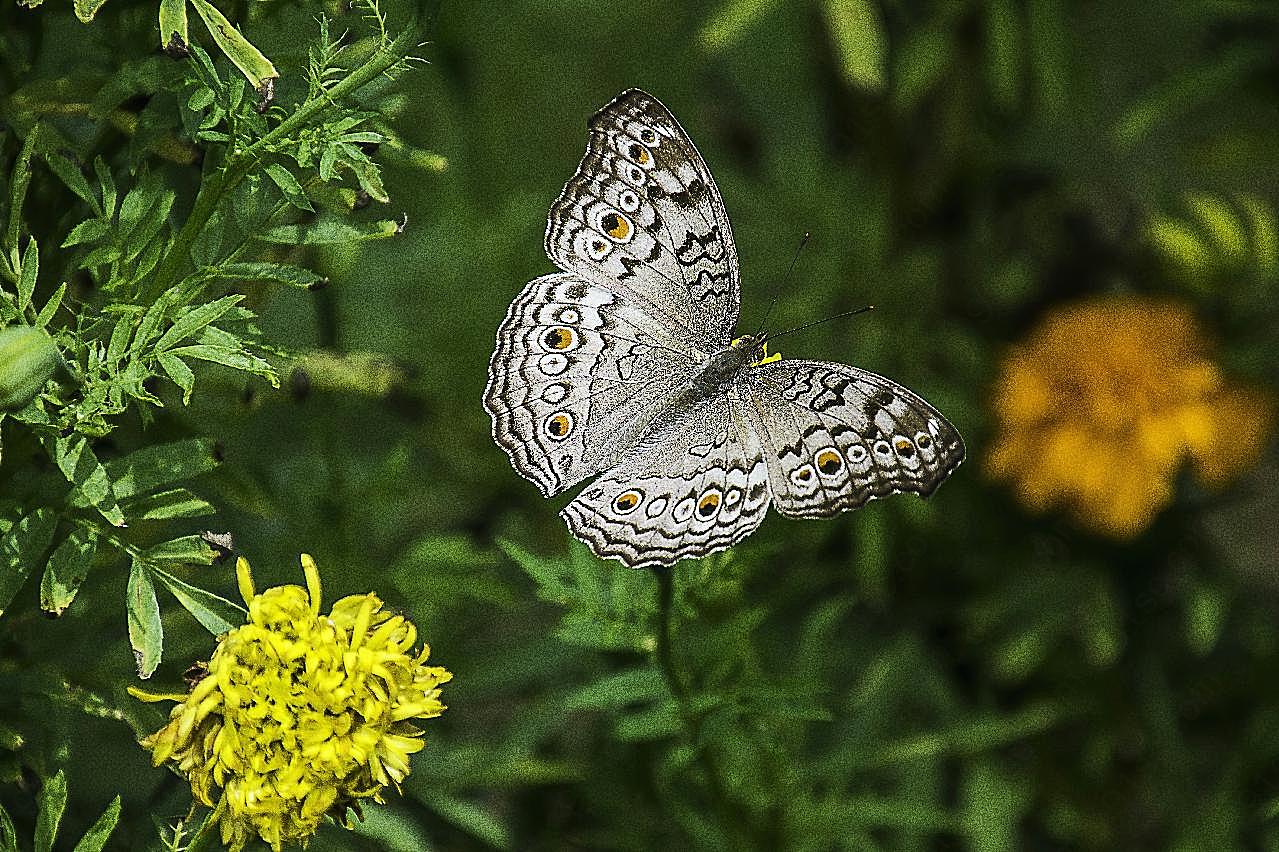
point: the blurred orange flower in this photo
(1105, 400)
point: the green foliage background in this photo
(949, 674)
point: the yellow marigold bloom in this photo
(301, 715)
(1105, 400)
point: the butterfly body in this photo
(623, 367)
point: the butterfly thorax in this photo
(719, 370)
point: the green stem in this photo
(239, 165)
(732, 818)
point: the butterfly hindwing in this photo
(836, 437)
(643, 213)
(575, 370)
(697, 485)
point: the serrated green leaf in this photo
(187, 550)
(53, 803)
(289, 186)
(98, 834)
(252, 64)
(146, 633)
(216, 614)
(173, 25)
(166, 505)
(21, 549)
(19, 180)
(82, 469)
(276, 273)
(88, 231)
(194, 320)
(71, 175)
(177, 370)
(366, 172)
(66, 570)
(51, 307)
(27, 277)
(237, 359)
(159, 465)
(331, 231)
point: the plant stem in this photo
(733, 819)
(238, 166)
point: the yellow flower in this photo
(1107, 398)
(301, 715)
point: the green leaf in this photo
(146, 633)
(275, 273)
(216, 614)
(71, 175)
(187, 550)
(86, 9)
(331, 231)
(19, 180)
(66, 570)
(8, 835)
(858, 30)
(53, 803)
(21, 549)
(83, 470)
(613, 692)
(177, 370)
(98, 834)
(161, 464)
(1003, 52)
(237, 359)
(289, 186)
(252, 64)
(51, 307)
(88, 231)
(730, 23)
(27, 277)
(173, 26)
(196, 319)
(178, 503)
(469, 817)
(548, 574)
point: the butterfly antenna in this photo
(803, 241)
(772, 337)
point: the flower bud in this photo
(28, 359)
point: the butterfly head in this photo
(755, 348)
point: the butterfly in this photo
(623, 367)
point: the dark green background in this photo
(949, 674)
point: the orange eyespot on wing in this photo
(616, 226)
(626, 502)
(708, 504)
(829, 462)
(558, 338)
(559, 425)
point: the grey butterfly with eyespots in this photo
(624, 367)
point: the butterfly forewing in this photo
(836, 437)
(697, 485)
(575, 371)
(643, 216)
